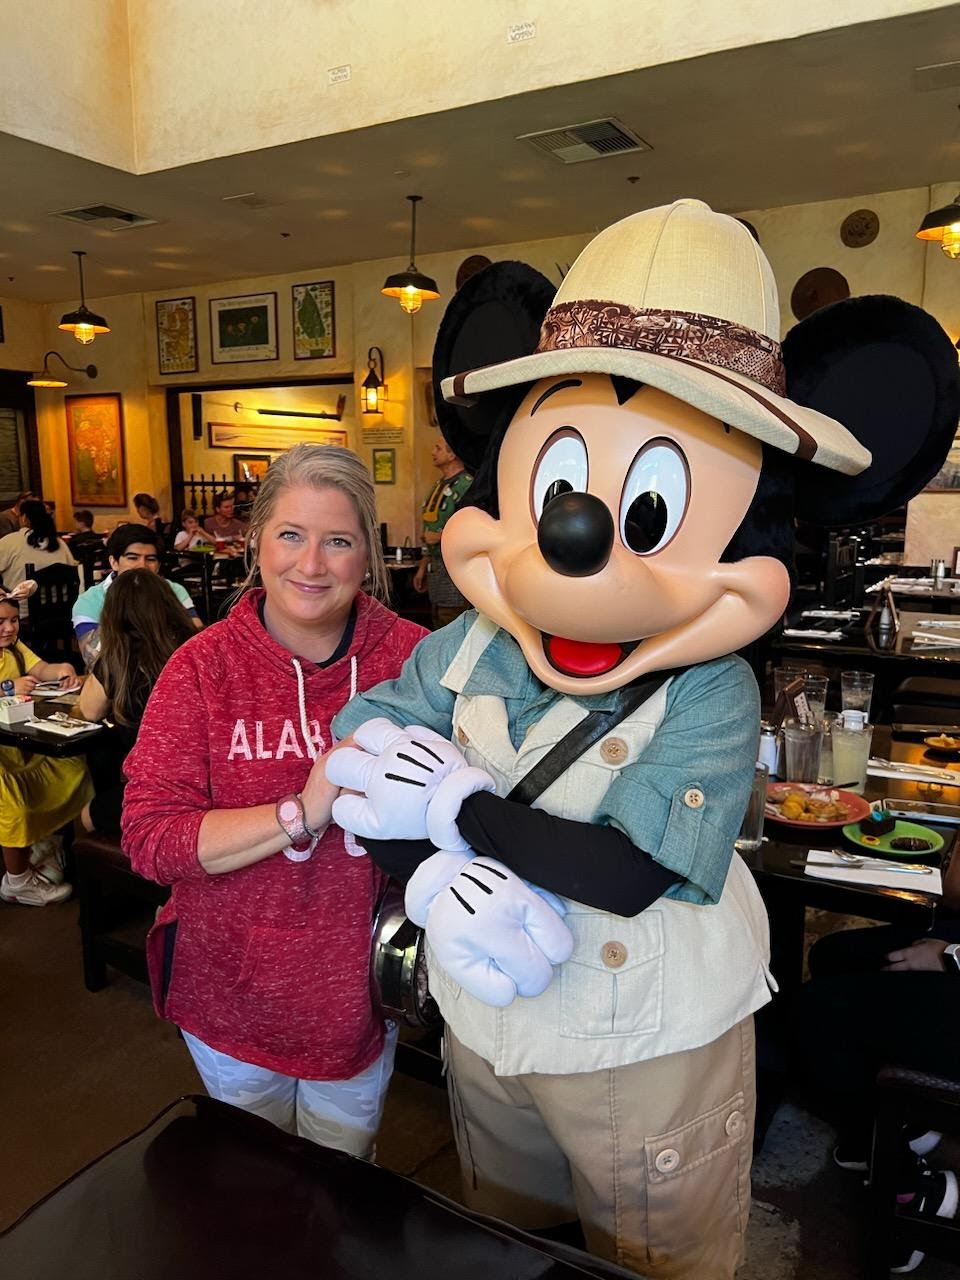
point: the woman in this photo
(142, 624)
(38, 794)
(262, 955)
(35, 542)
(148, 510)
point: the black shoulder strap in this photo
(583, 735)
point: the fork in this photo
(854, 863)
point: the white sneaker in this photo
(46, 856)
(37, 892)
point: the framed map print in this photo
(314, 332)
(177, 335)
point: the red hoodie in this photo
(271, 963)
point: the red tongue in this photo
(579, 658)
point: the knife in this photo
(910, 868)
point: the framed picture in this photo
(947, 479)
(177, 335)
(235, 435)
(250, 468)
(956, 562)
(384, 466)
(2, 339)
(314, 324)
(95, 450)
(244, 328)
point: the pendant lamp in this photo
(47, 379)
(943, 225)
(411, 287)
(83, 323)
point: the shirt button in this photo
(693, 798)
(734, 1125)
(462, 738)
(667, 1160)
(613, 751)
(613, 954)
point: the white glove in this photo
(495, 935)
(399, 771)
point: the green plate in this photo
(853, 834)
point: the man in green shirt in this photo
(446, 602)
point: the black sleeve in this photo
(596, 865)
(397, 858)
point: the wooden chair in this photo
(49, 610)
(924, 1102)
(110, 894)
(843, 582)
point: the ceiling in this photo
(825, 116)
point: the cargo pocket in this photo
(698, 1186)
(613, 983)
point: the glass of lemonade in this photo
(851, 750)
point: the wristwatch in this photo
(953, 951)
(293, 819)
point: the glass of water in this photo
(751, 829)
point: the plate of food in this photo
(893, 837)
(806, 804)
(944, 745)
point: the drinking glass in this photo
(851, 751)
(751, 829)
(802, 749)
(782, 676)
(856, 691)
(825, 774)
(815, 688)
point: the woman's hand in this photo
(319, 794)
(25, 685)
(925, 953)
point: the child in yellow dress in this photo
(38, 794)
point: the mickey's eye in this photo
(561, 468)
(655, 497)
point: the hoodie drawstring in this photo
(302, 702)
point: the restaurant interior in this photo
(225, 232)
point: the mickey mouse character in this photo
(598, 956)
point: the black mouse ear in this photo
(889, 373)
(496, 315)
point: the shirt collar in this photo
(502, 671)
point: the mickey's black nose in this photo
(576, 534)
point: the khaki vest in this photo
(674, 977)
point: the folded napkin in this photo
(812, 634)
(843, 614)
(874, 876)
(912, 772)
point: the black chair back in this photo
(91, 560)
(844, 576)
(49, 610)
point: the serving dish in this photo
(856, 807)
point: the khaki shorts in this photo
(654, 1158)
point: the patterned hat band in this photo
(677, 335)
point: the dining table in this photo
(788, 890)
(208, 1190)
(30, 735)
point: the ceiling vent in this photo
(592, 140)
(107, 217)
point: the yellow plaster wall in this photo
(23, 341)
(65, 78)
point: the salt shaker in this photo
(770, 748)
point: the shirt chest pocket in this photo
(612, 985)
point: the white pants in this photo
(344, 1114)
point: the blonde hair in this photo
(319, 466)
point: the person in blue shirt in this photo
(130, 546)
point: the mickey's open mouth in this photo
(583, 658)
